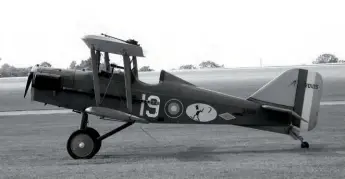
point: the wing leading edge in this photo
(114, 114)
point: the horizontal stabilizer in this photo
(296, 91)
(114, 114)
(294, 114)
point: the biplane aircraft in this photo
(288, 104)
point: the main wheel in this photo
(95, 135)
(93, 132)
(304, 145)
(82, 144)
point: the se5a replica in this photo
(288, 104)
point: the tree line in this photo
(7, 70)
(86, 64)
(327, 58)
(204, 64)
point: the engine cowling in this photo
(45, 81)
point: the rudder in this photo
(299, 90)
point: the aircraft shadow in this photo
(207, 153)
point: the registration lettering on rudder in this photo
(313, 86)
(306, 85)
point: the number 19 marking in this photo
(153, 105)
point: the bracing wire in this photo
(106, 90)
(148, 134)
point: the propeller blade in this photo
(28, 82)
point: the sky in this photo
(175, 32)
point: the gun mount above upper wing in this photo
(126, 49)
(113, 45)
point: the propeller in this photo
(28, 82)
(30, 77)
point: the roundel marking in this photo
(173, 108)
(201, 112)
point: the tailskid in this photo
(295, 134)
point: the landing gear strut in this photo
(295, 135)
(86, 142)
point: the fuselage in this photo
(172, 100)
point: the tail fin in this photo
(298, 90)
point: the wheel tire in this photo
(304, 145)
(82, 144)
(93, 132)
(95, 135)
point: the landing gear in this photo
(304, 145)
(94, 134)
(294, 134)
(82, 144)
(86, 142)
